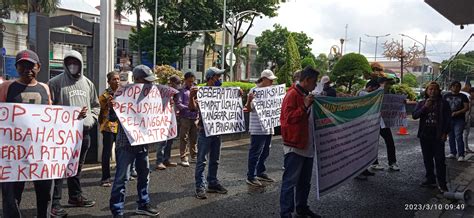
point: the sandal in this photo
(105, 183)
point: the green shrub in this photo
(403, 89)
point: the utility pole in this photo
(345, 39)
(154, 40)
(402, 56)
(376, 42)
(360, 42)
(224, 31)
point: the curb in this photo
(175, 152)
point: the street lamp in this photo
(376, 42)
(233, 20)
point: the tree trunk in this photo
(350, 83)
(139, 28)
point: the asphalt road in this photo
(172, 190)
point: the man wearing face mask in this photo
(72, 88)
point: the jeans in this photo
(163, 151)
(455, 137)
(124, 159)
(108, 141)
(73, 183)
(258, 153)
(207, 146)
(467, 129)
(387, 136)
(11, 198)
(434, 150)
(296, 183)
(187, 138)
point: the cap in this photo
(27, 55)
(143, 71)
(268, 74)
(212, 71)
(325, 79)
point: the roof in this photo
(78, 6)
(458, 12)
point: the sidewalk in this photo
(175, 153)
(460, 177)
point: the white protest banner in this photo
(221, 110)
(393, 110)
(267, 102)
(146, 113)
(39, 142)
(346, 137)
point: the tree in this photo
(461, 67)
(410, 80)
(395, 50)
(27, 6)
(322, 63)
(293, 62)
(350, 69)
(272, 45)
(308, 61)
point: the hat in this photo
(268, 74)
(142, 71)
(325, 79)
(212, 71)
(27, 55)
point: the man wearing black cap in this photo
(72, 88)
(26, 90)
(125, 154)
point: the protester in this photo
(107, 128)
(435, 117)
(459, 104)
(328, 90)
(72, 88)
(126, 154)
(26, 90)
(297, 128)
(466, 90)
(163, 149)
(371, 86)
(260, 138)
(207, 145)
(188, 122)
(386, 133)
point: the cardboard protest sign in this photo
(221, 110)
(146, 113)
(393, 112)
(267, 102)
(346, 137)
(39, 142)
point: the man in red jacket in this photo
(297, 127)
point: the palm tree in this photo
(132, 6)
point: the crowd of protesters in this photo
(440, 116)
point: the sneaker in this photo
(377, 167)
(306, 212)
(185, 163)
(428, 184)
(160, 166)
(134, 174)
(265, 178)
(170, 164)
(105, 183)
(443, 188)
(217, 189)
(461, 159)
(451, 156)
(394, 167)
(254, 182)
(131, 178)
(81, 201)
(193, 160)
(147, 210)
(58, 211)
(201, 193)
(361, 177)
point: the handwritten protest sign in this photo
(39, 142)
(393, 110)
(346, 137)
(221, 110)
(267, 103)
(146, 113)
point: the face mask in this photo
(74, 69)
(218, 83)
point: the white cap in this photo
(325, 79)
(268, 74)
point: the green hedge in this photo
(403, 89)
(243, 85)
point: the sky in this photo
(325, 21)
